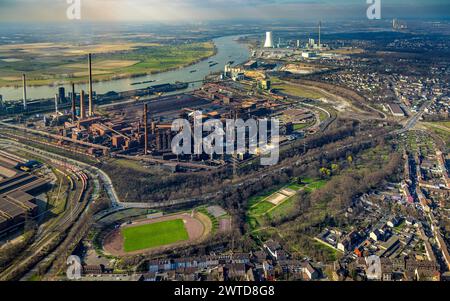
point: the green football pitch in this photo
(154, 235)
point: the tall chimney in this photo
(153, 127)
(24, 80)
(56, 104)
(74, 99)
(320, 35)
(82, 111)
(145, 129)
(91, 101)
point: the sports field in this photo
(151, 235)
(154, 235)
(279, 202)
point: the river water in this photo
(228, 49)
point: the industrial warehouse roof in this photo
(7, 162)
(21, 197)
(7, 172)
(9, 183)
(21, 181)
(396, 109)
(15, 198)
(10, 209)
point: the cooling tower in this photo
(269, 40)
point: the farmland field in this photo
(154, 235)
(62, 63)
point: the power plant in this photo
(269, 40)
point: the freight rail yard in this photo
(42, 202)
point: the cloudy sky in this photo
(205, 10)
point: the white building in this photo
(376, 235)
(373, 270)
(309, 54)
(269, 40)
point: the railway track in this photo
(46, 236)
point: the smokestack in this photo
(145, 129)
(153, 127)
(56, 104)
(91, 104)
(320, 33)
(82, 111)
(24, 80)
(74, 99)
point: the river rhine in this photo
(228, 49)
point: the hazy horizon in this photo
(216, 10)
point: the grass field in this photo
(154, 235)
(442, 129)
(445, 124)
(295, 90)
(295, 186)
(301, 126)
(315, 185)
(283, 208)
(260, 208)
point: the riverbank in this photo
(148, 64)
(225, 48)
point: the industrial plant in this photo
(142, 130)
(138, 153)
